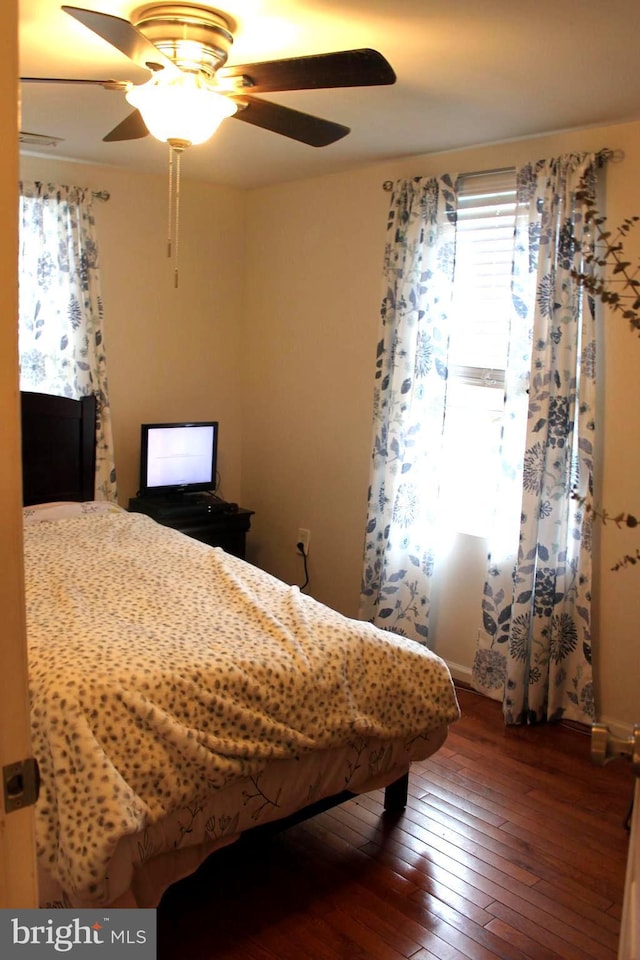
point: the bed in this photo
(181, 696)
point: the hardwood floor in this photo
(512, 846)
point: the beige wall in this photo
(273, 331)
(314, 250)
(172, 354)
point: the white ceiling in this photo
(469, 72)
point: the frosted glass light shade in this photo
(183, 108)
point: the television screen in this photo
(178, 457)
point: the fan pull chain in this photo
(170, 204)
(175, 152)
(177, 221)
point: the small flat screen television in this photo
(178, 458)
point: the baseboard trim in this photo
(460, 673)
(617, 727)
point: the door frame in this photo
(18, 874)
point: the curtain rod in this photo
(606, 155)
(101, 195)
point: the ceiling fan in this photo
(185, 46)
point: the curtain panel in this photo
(61, 323)
(535, 652)
(409, 405)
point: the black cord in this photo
(301, 550)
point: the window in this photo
(481, 313)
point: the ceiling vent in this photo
(39, 139)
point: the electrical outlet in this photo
(304, 536)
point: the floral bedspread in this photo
(162, 669)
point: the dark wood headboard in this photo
(58, 448)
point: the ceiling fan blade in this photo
(124, 37)
(132, 127)
(290, 123)
(107, 84)
(348, 68)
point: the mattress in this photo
(180, 695)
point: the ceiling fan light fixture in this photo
(181, 109)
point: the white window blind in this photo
(482, 280)
(478, 347)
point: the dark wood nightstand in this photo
(226, 528)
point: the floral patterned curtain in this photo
(61, 336)
(535, 654)
(409, 402)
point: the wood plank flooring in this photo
(512, 846)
